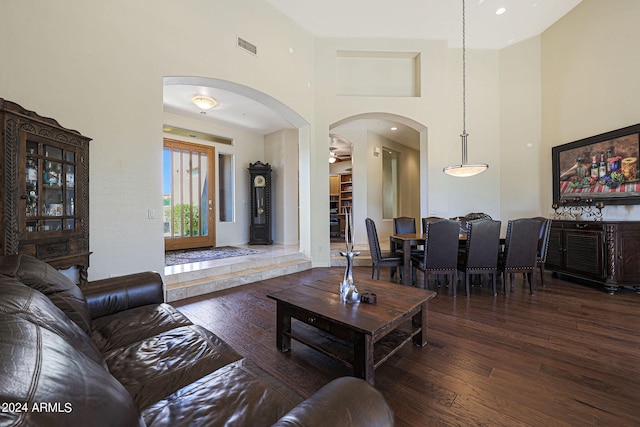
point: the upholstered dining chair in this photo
(378, 258)
(543, 244)
(469, 218)
(520, 252)
(440, 254)
(405, 225)
(480, 255)
(430, 219)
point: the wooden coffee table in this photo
(360, 335)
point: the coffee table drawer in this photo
(319, 322)
(310, 318)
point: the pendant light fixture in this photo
(465, 169)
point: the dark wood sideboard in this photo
(602, 252)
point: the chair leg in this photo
(493, 284)
(533, 282)
(542, 273)
(504, 283)
(378, 271)
(373, 269)
(466, 283)
(453, 284)
(426, 280)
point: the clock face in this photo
(259, 181)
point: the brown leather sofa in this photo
(114, 354)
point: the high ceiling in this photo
(427, 19)
(423, 19)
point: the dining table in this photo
(406, 241)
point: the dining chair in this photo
(543, 244)
(469, 218)
(440, 254)
(405, 225)
(520, 252)
(429, 219)
(480, 254)
(378, 258)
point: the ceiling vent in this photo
(251, 48)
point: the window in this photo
(389, 183)
(226, 187)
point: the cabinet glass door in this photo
(49, 187)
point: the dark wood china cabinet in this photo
(44, 189)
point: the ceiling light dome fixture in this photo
(465, 169)
(204, 102)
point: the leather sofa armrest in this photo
(345, 401)
(121, 293)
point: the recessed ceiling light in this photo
(394, 128)
(204, 102)
(500, 11)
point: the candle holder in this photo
(576, 208)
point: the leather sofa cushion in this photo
(133, 325)
(239, 394)
(61, 290)
(41, 367)
(29, 304)
(159, 365)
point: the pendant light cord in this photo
(464, 73)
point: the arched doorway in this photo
(290, 130)
(376, 137)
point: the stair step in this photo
(191, 284)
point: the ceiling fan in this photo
(336, 157)
(339, 148)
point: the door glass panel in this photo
(204, 198)
(186, 200)
(176, 193)
(52, 152)
(52, 225)
(194, 208)
(166, 190)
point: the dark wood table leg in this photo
(283, 328)
(420, 319)
(363, 363)
(406, 262)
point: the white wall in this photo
(590, 69)
(520, 126)
(281, 152)
(98, 68)
(439, 108)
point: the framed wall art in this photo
(601, 168)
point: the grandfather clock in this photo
(260, 204)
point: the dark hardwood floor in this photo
(570, 355)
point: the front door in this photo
(189, 215)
